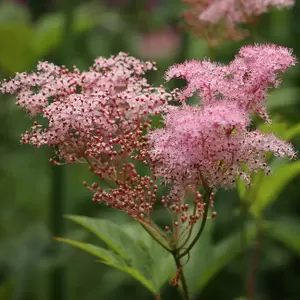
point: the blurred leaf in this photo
(292, 132)
(285, 231)
(222, 254)
(12, 13)
(277, 127)
(6, 289)
(23, 256)
(16, 52)
(283, 97)
(271, 186)
(200, 257)
(281, 129)
(197, 48)
(241, 188)
(48, 31)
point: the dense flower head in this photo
(90, 112)
(244, 81)
(216, 20)
(211, 144)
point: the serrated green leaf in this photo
(271, 186)
(142, 255)
(110, 233)
(111, 259)
(286, 232)
(103, 254)
(163, 266)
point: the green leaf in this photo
(241, 188)
(48, 32)
(109, 232)
(12, 13)
(271, 186)
(292, 132)
(16, 53)
(200, 257)
(163, 266)
(283, 97)
(111, 259)
(281, 129)
(145, 259)
(104, 254)
(222, 254)
(286, 232)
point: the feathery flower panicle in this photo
(211, 145)
(244, 81)
(97, 116)
(88, 112)
(217, 20)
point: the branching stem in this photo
(204, 218)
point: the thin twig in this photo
(151, 233)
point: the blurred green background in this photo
(36, 195)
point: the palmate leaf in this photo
(130, 249)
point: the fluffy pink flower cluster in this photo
(211, 145)
(88, 113)
(244, 81)
(100, 116)
(216, 20)
(239, 11)
(96, 117)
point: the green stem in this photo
(255, 262)
(182, 277)
(57, 276)
(243, 236)
(204, 218)
(155, 237)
